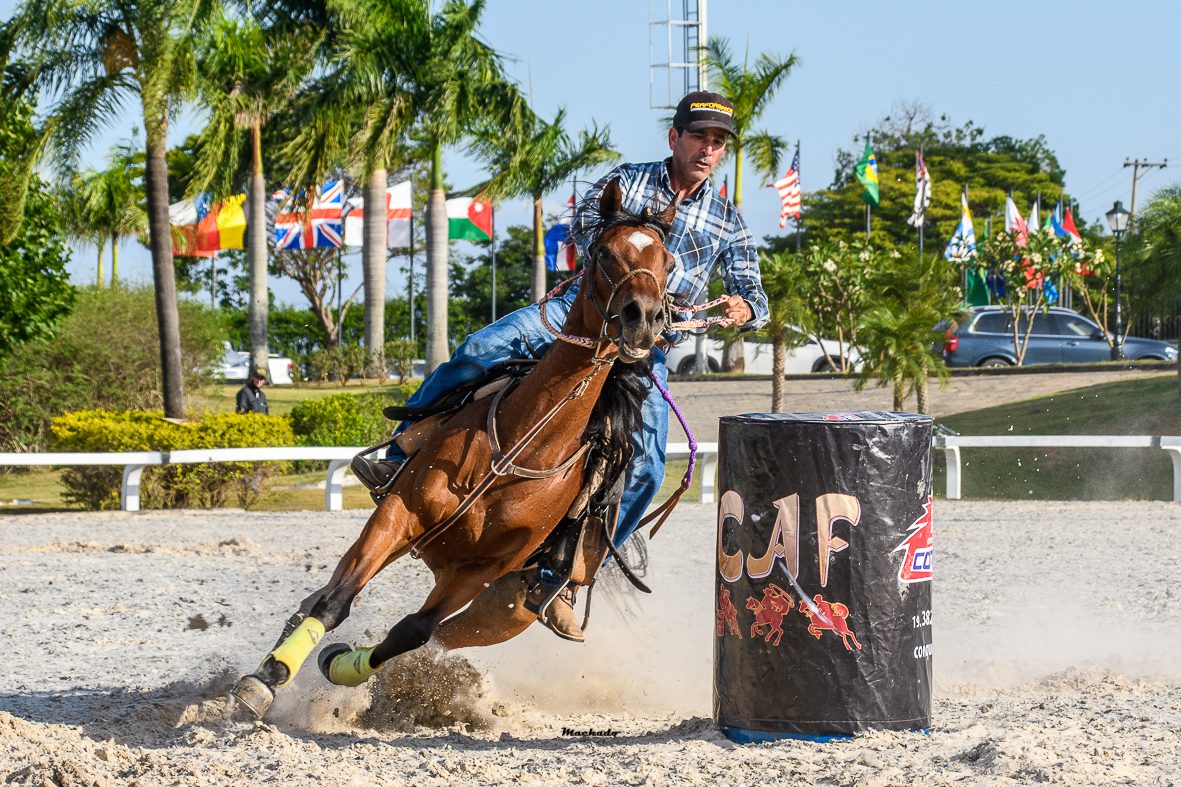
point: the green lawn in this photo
(1147, 405)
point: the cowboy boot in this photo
(559, 616)
(376, 475)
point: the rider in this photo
(708, 234)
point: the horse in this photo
(468, 509)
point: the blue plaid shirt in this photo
(708, 232)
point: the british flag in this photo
(318, 227)
(789, 191)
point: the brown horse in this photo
(618, 314)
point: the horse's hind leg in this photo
(452, 591)
(497, 615)
(324, 610)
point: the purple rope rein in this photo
(668, 397)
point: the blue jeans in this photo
(522, 334)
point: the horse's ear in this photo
(611, 200)
(670, 213)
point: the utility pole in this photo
(1137, 165)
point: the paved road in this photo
(704, 402)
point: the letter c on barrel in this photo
(729, 507)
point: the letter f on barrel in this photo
(831, 508)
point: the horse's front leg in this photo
(386, 532)
(453, 589)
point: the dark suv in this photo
(983, 336)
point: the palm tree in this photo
(108, 205)
(89, 58)
(1154, 252)
(751, 91)
(246, 75)
(537, 163)
(784, 282)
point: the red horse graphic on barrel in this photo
(769, 612)
(836, 614)
(726, 616)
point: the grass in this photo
(1147, 405)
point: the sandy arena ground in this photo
(1057, 628)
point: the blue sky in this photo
(1097, 79)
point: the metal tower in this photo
(676, 32)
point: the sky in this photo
(1094, 78)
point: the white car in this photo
(759, 356)
(235, 366)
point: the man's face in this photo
(697, 153)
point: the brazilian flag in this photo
(867, 173)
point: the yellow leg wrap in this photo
(298, 646)
(352, 668)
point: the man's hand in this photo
(738, 310)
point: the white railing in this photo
(338, 459)
(951, 445)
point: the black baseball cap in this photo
(701, 110)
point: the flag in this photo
(398, 209)
(922, 191)
(469, 219)
(1032, 225)
(867, 173)
(962, 246)
(725, 187)
(1014, 223)
(789, 191)
(316, 228)
(559, 251)
(1071, 231)
(201, 227)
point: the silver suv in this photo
(983, 336)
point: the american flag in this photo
(789, 191)
(319, 227)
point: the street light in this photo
(1117, 219)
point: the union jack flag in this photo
(789, 191)
(319, 227)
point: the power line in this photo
(1137, 165)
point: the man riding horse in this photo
(707, 235)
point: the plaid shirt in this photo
(708, 232)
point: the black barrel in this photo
(823, 601)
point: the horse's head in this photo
(625, 275)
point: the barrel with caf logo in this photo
(823, 600)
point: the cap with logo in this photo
(700, 110)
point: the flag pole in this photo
(493, 227)
(923, 218)
(800, 215)
(964, 267)
(410, 278)
(339, 287)
(868, 205)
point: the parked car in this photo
(983, 336)
(235, 366)
(759, 356)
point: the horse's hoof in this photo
(254, 695)
(327, 655)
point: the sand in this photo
(1056, 631)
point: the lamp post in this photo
(1117, 219)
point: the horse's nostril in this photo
(631, 313)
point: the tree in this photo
(1154, 251)
(538, 162)
(247, 73)
(911, 295)
(787, 288)
(837, 295)
(90, 58)
(108, 204)
(992, 168)
(750, 89)
(471, 282)
(35, 293)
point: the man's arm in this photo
(242, 403)
(740, 272)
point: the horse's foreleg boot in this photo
(254, 695)
(347, 667)
(297, 647)
(289, 627)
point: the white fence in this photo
(338, 459)
(951, 445)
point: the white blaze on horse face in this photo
(641, 240)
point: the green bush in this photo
(106, 356)
(399, 357)
(347, 419)
(169, 486)
(338, 363)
